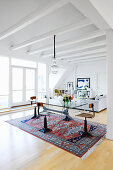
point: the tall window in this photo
(17, 84)
(41, 81)
(4, 81)
(23, 80)
(30, 83)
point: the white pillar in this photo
(109, 37)
(75, 77)
(47, 83)
(36, 81)
(24, 86)
(10, 83)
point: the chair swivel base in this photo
(85, 134)
(66, 118)
(44, 130)
(38, 116)
(34, 117)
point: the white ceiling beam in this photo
(77, 56)
(33, 17)
(88, 10)
(82, 53)
(50, 34)
(89, 60)
(86, 57)
(69, 52)
(72, 42)
(102, 50)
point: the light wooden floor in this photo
(20, 150)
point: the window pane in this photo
(4, 75)
(17, 78)
(29, 93)
(17, 96)
(42, 97)
(30, 79)
(24, 63)
(3, 101)
(41, 77)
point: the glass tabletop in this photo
(70, 105)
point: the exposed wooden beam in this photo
(73, 58)
(50, 34)
(74, 41)
(67, 53)
(33, 17)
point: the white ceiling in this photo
(105, 8)
(74, 22)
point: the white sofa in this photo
(100, 104)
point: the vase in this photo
(64, 104)
(67, 103)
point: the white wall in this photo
(69, 76)
(96, 71)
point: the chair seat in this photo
(87, 115)
(43, 113)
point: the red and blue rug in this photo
(64, 134)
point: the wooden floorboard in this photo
(20, 150)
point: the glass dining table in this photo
(50, 106)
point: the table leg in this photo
(66, 113)
(66, 118)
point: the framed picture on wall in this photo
(69, 85)
(83, 83)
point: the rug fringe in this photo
(92, 148)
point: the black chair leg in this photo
(85, 133)
(35, 115)
(45, 129)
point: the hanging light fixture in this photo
(54, 66)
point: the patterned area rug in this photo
(64, 134)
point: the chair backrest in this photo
(39, 104)
(32, 97)
(92, 106)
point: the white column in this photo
(10, 83)
(36, 81)
(47, 83)
(75, 77)
(109, 37)
(24, 86)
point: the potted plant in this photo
(67, 100)
(57, 92)
(64, 100)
